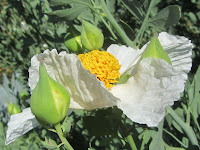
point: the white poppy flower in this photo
(153, 84)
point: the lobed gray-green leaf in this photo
(167, 17)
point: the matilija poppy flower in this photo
(153, 82)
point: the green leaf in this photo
(111, 5)
(157, 142)
(60, 2)
(87, 15)
(180, 113)
(146, 135)
(165, 18)
(134, 7)
(173, 148)
(50, 144)
(68, 14)
(66, 125)
(195, 89)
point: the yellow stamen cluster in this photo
(103, 64)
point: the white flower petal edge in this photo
(20, 124)
(179, 49)
(85, 90)
(156, 83)
(127, 57)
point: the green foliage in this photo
(10, 90)
(157, 142)
(50, 144)
(104, 122)
(29, 27)
(194, 94)
(25, 31)
(68, 14)
(165, 18)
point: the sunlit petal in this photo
(86, 91)
(127, 57)
(20, 124)
(156, 83)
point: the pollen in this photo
(103, 64)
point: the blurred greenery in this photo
(29, 27)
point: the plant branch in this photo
(131, 142)
(105, 23)
(175, 138)
(119, 30)
(144, 23)
(186, 128)
(61, 136)
(128, 136)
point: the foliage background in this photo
(26, 29)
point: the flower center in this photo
(103, 64)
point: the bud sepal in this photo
(155, 49)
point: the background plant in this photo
(29, 27)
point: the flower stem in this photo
(121, 32)
(105, 23)
(175, 138)
(128, 136)
(144, 23)
(187, 129)
(61, 136)
(131, 142)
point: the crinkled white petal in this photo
(179, 49)
(127, 57)
(156, 83)
(20, 124)
(86, 91)
(145, 96)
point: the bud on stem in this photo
(91, 37)
(50, 100)
(73, 41)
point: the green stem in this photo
(144, 23)
(195, 121)
(108, 27)
(187, 110)
(131, 142)
(175, 138)
(186, 128)
(105, 23)
(128, 136)
(121, 32)
(61, 136)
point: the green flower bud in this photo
(155, 49)
(91, 37)
(49, 100)
(73, 41)
(13, 109)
